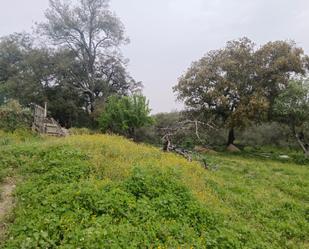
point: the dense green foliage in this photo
(93, 34)
(123, 115)
(74, 66)
(13, 116)
(292, 108)
(292, 105)
(106, 192)
(238, 84)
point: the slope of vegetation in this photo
(99, 191)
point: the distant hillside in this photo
(99, 191)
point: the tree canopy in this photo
(238, 83)
(74, 66)
(93, 34)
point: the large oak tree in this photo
(239, 83)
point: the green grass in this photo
(107, 192)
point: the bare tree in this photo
(186, 125)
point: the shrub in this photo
(300, 159)
(126, 114)
(13, 116)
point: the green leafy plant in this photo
(13, 116)
(123, 115)
(101, 191)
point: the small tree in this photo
(292, 108)
(126, 114)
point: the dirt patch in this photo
(6, 202)
(201, 149)
(232, 148)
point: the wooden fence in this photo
(44, 125)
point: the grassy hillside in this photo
(107, 192)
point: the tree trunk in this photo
(300, 140)
(302, 145)
(91, 100)
(131, 133)
(166, 144)
(231, 137)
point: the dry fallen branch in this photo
(185, 125)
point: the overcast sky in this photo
(167, 35)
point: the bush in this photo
(13, 116)
(125, 115)
(300, 159)
(273, 134)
